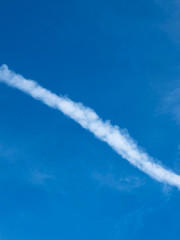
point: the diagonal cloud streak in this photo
(120, 141)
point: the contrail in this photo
(120, 141)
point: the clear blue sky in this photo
(122, 58)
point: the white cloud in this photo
(171, 103)
(122, 183)
(118, 139)
(170, 24)
(40, 178)
(10, 154)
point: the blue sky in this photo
(57, 181)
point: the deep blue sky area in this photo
(119, 57)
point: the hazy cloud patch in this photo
(121, 183)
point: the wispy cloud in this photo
(171, 103)
(40, 177)
(122, 183)
(10, 154)
(118, 139)
(171, 20)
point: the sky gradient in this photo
(122, 59)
